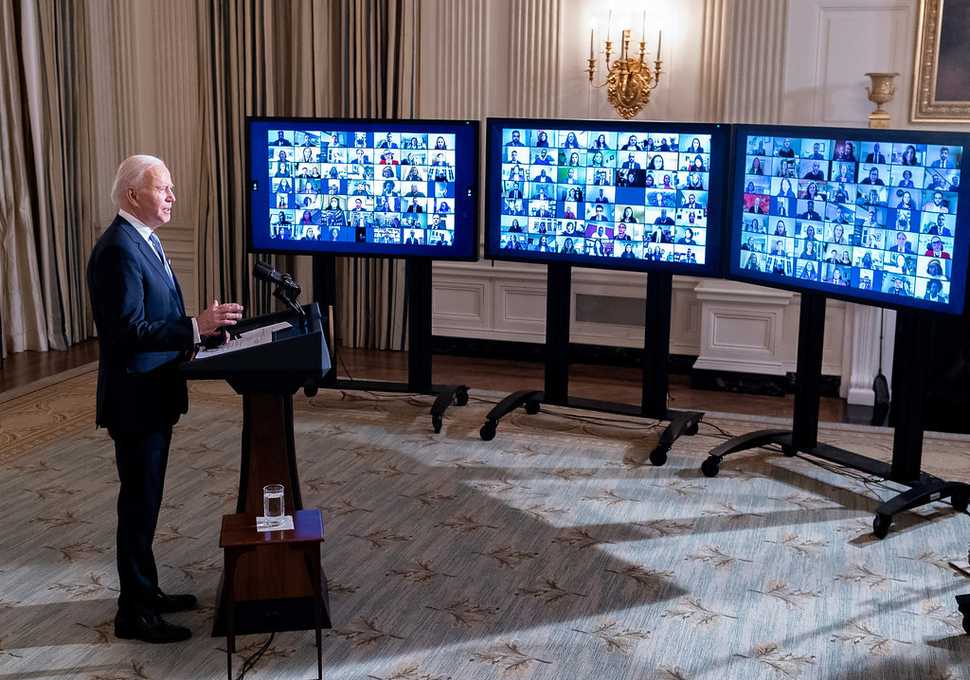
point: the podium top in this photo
(272, 353)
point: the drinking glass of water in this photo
(273, 503)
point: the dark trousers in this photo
(141, 458)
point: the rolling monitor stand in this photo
(908, 402)
(655, 354)
(418, 284)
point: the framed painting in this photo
(941, 78)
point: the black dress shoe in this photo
(148, 627)
(168, 604)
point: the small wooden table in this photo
(239, 537)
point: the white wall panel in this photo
(832, 45)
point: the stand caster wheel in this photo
(711, 467)
(461, 397)
(788, 450)
(659, 455)
(880, 525)
(310, 391)
(532, 407)
(436, 423)
(487, 433)
(692, 429)
(959, 503)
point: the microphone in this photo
(264, 272)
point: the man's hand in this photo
(218, 315)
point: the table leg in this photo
(228, 588)
(312, 555)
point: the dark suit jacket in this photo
(143, 333)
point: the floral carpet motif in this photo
(551, 552)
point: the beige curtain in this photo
(46, 225)
(379, 45)
(262, 58)
(353, 58)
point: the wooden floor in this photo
(593, 382)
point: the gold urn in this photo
(881, 92)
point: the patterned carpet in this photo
(549, 552)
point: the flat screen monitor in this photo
(873, 216)
(363, 187)
(615, 195)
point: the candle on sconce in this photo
(643, 31)
(609, 27)
(660, 37)
(591, 42)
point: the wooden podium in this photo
(275, 355)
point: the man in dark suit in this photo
(876, 156)
(944, 160)
(143, 334)
(810, 213)
(631, 163)
(664, 219)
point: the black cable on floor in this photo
(254, 658)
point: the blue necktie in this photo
(157, 246)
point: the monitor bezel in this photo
(720, 135)
(732, 267)
(404, 123)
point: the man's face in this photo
(815, 147)
(873, 174)
(515, 136)
(787, 143)
(153, 200)
(938, 198)
(944, 153)
(811, 205)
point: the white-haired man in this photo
(143, 334)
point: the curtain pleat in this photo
(46, 185)
(262, 59)
(352, 58)
(379, 47)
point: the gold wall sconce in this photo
(629, 79)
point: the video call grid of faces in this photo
(362, 187)
(628, 195)
(865, 215)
